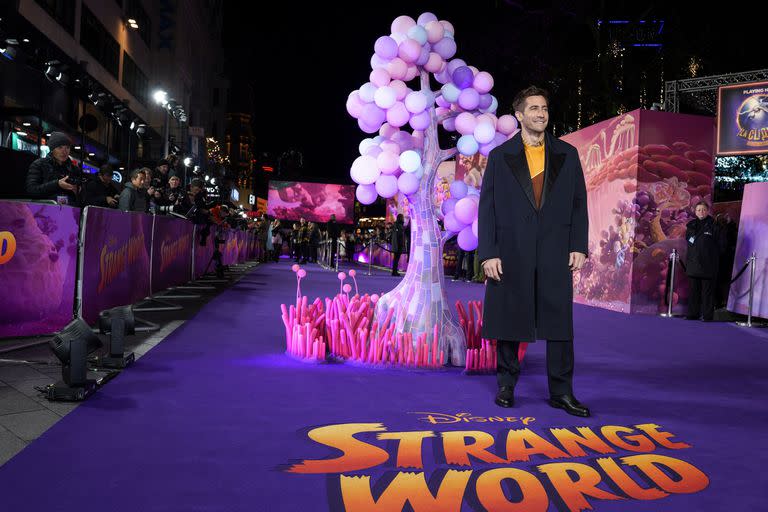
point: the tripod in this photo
(216, 257)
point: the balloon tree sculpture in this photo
(399, 161)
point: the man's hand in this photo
(492, 268)
(111, 201)
(63, 184)
(576, 261)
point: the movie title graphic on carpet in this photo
(114, 260)
(7, 246)
(505, 470)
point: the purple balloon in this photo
(386, 47)
(474, 228)
(426, 18)
(355, 105)
(446, 48)
(485, 101)
(442, 102)
(378, 62)
(410, 51)
(465, 211)
(452, 224)
(366, 194)
(459, 190)
(398, 115)
(443, 77)
(366, 127)
(462, 77)
(408, 183)
(373, 151)
(450, 124)
(386, 186)
(448, 206)
(467, 240)
(423, 57)
(454, 65)
(373, 116)
(469, 99)
(420, 121)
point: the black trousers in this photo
(460, 257)
(334, 247)
(395, 262)
(559, 365)
(701, 298)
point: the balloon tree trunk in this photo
(419, 300)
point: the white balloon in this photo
(410, 161)
(385, 97)
(365, 145)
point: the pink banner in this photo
(315, 202)
(38, 264)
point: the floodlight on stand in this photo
(71, 346)
(118, 323)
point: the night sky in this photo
(293, 66)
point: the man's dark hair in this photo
(106, 170)
(519, 103)
(135, 173)
(196, 183)
(702, 203)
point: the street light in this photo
(188, 161)
(161, 98)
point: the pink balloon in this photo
(365, 170)
(367, 90)
(443, 77)
(409, 51)
(466, 123)
(484, 132)
(469, 99)
(487, 118)
(442, 102)
(355, 105)
(387, 130)
(401, 90)
(417, 139)
(302, 273)
(367, 128)
(366, 194)
(347, 288)
(380, 77)
(416, 102)
(385, 97)
(374, 298)
(483, 82)
(373, 151)
(467, 241)
(295, 268)
(352, 273)
(408, 183)
(377, 62)
(373, 116)
(507, 124)
(388, 162)
(398, 115)
(474, 229)
(412, 73)
(397, 68)
(391, 146)
(342, 276)
(402, 24)
(420, 121)
(434, 64)
(474, 70)
(440, 111)
(386, 186)
(465, 210)
(435, 31)
(448, 26)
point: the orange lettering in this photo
(357, 454)
(7, 246)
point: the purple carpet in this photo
(213, 418)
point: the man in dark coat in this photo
(397, 242)
(52, 177)
(333, 236)
(705, 245)
(100, 190)
(533, 231)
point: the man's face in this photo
(138, 181)
(105, 178)
(163, 169)
(174, 182)
(194, 190)
(61, 153)
(702, 212)
(535, 115)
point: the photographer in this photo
(100, 190)
(55, 177)
(175, 199)
(133, 198)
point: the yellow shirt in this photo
(535, 156)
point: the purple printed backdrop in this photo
(172, 254)
(753, 237)
(38, 278)
(116, 263)
(203, 253)
(743, 119)
(645, 172)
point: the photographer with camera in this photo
(100, 189)
(175, 199)
(55, 176)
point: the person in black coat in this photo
(333, 236)
(134, 198)
(100, 190)
(397, 242)
(705, 246)
(52, 177)
(533, 233)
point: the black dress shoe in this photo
(505, 397)
(570, 405)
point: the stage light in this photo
(160, 97)
(187, 161)
(21, 133)
(213, 181)
(71, 346)
(207, 178)
(91, 154)
(27, 124)
(25, 40)
(77, 147)
(133, 125)
(118, 323)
